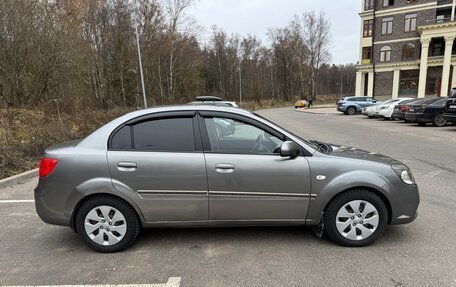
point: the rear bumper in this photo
(384, 113)
(44, 211)
(411, 117)
(342, 109)
(399, 115)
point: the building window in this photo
(387, 25)
(367, 56)
(410, 22)
(387, 3)
(408, 52)
(368, 4)
(367, 53)
(408, 86)
(367, 28)
(385, 54)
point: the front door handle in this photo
(126, 166)
(224, 167)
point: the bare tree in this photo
(316, 35)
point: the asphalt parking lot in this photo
(422, 253)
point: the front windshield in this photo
(308, 142)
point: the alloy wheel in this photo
(357, 220)
(439, 120)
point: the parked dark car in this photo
(429, 111)
(450, 108)
(400, 110)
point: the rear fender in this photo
(99, 186)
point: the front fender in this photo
(324, 191)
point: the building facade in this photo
(407, 48)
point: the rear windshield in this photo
(440, 101)
(431, 100)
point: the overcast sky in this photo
(256, 16)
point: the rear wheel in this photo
(356, 218)
(439, 120)
(351, 111)
(107, 224)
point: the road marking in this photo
(435, 173)
(172, 282)
(17, 201)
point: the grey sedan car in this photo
(169, 167)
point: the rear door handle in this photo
(126, 166)
(224, 167)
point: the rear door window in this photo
(169, 134)
(162, 134)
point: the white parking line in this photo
(17, 201)
(172, 282)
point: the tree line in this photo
(82, 53)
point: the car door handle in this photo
(224, 168)
(126, 166)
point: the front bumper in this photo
(404, 203)
(451, 117)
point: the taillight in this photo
(47, 165)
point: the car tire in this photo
(351, 111)
(116, 221)
(360, 205)
(439, 121)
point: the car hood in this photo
(354, 153)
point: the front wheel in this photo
(356, 218)
(107, 224)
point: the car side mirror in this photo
(374, 101)
(289, 149)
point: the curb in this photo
(18, 178)
(309, 111)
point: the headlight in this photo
(404, 173)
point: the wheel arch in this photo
(375, 191)
(90, 196)
(96, 187)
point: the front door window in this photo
(236, 137)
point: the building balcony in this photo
(444, 2)
(366, 61)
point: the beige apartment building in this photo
(407, 48)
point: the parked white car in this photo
(370, 111)
(386, 109)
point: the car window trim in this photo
(211, 114)
(157, 116)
